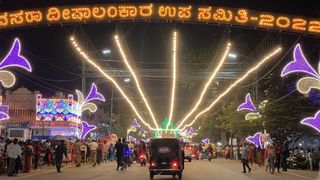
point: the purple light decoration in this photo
(190, 131)
(94, 94)
(4, 116)
(14, 59)
(299, 64)
(135, 124)
(247, 105)
(206, 141)
(313, 122)
(256, 139)
(86, 129)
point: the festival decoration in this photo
(124, 57)
(7, 78)
(86, 129)
(255, 139)
(206, 141)
(205, 88)
(174, 76)
(248, 105)
(300, 64)
(250, 71)
(88, 59)
(86, 104)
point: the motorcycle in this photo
(143, 159)
(297, 162)
(128, 158)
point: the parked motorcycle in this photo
(143, 159)
(297, 161)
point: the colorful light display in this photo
(205, 88)
(136, 80)
(255, 139)
(247, 105)
(174, 76)
(147, 12)
(256, 67)
(86, 129)
(88, 59)
(206, 141)
(313, 122)
(300, 64)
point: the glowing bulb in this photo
(116, 85)
(174, 62)
(206, 86)
(256, 67)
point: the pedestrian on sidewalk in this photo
(244, 158)
(28, 155)
(13, 152)
(61, 150)
(93, 152)
(119, 147)
(99, 152)
(37, 152)
(278, 156)
(105, 150)
(77, 149)
(310, 156)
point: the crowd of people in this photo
(17, 156)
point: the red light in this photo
(175, 164)
(153, 164)
(141, 156)
(190, 148)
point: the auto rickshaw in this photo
(166, 157)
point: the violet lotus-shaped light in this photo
(299, 64)
(313, 122)
(247, 105)
(94, 94)
(205, 141)
(86, 129)
(255, 139)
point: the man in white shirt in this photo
(93, 152)
(13, 151)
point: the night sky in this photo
(56, 66)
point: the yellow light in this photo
(266, 20)
(174, 62)
(16, 17)
(146, 10)
(99, 12)
(114, 83)
(283, 22)
(112, 11)
(213, 75)
(184, 12)
(124, 57)
(299, 24)
(205, 13)
(53, 14)
(242, 16)
(256, 67)
(314, 26)
(33, 16)
(66, 14)
(167, 11)
(4, 19)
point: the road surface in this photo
(196, 170)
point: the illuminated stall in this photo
(56, 117)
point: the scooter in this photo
(128, 159)
(143, 159)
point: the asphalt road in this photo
(196, 170)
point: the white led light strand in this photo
(174, 77)
(84, 55)
(256, 67)
(213, 75)
(124, 57)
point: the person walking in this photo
(61, 150)
(28, 154)
(77, 149)
(37, 152)
(93, 152)
(119, 147)
(99, 152)
(244, 158)
(105, 150)
(278, 156)
(310, 156)
(13, 152)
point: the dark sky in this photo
(57, 67)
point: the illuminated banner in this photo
(159, 12)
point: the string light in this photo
(84, 55)
(283, 22)
(213, 75)
(256, 67)
(174, 62)
(99, 12)
(299, 24)
(314, 26)
(266, 20)
(124, 57)
(204, 13)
